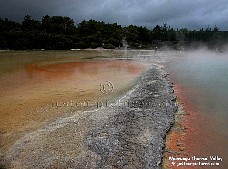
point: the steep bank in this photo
(127, 134)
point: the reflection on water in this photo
(203, 77)
(29, 92)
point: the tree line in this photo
(60, 33)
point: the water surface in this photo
(203, 77)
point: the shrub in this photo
(108, 46)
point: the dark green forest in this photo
(61, 33)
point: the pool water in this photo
(202, 81)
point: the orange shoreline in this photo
(182, 140)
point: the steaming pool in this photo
(38, 87)
(201, 85)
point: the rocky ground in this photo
(129, 133)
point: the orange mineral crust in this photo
(180, 139)
(28, 94)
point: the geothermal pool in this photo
(201, 84)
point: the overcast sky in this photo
(192, 14)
